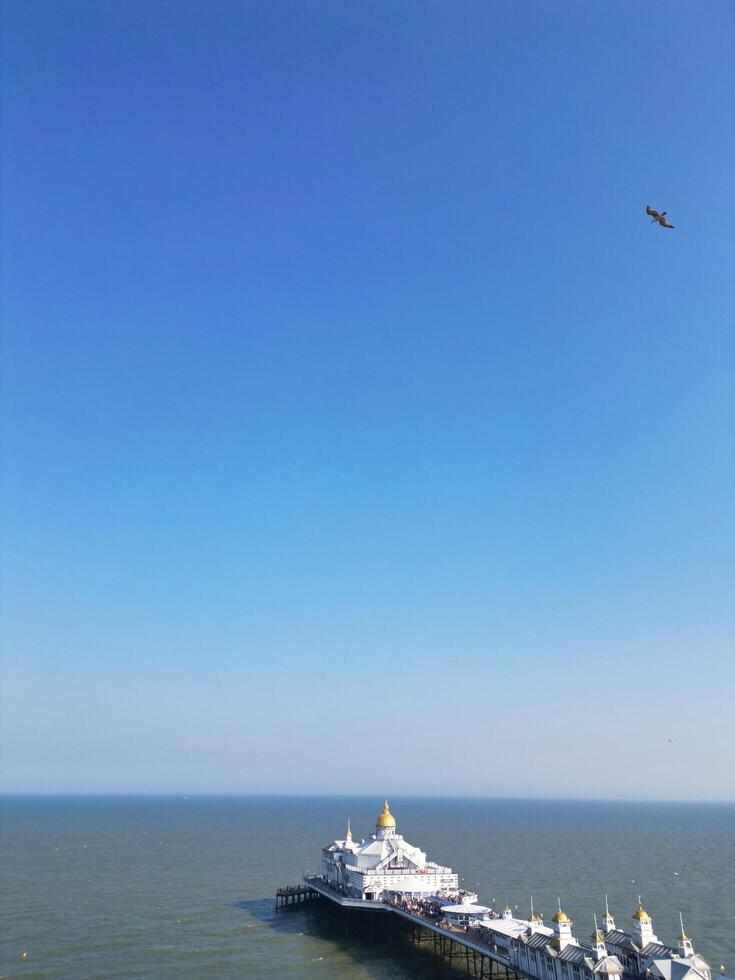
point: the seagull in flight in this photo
(655, 216)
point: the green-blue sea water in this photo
(184, 887)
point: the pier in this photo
(462, 948)
(398, 892)
(295, 895)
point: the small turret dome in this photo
(386, 818)
(561, 917)
(641, 915)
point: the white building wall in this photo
(415, 884)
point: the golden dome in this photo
(641, 915)
(386, 818)
(561, 917)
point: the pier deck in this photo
(295, 895)
(481, 959)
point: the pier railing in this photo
(373, 872)
(470, 936)
(462, 947)
(295, 895)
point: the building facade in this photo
(385, 866)
(556, 954)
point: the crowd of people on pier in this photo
(431, 908)
(427, 908)
(418, 906)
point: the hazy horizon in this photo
(184, 794)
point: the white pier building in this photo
(556, 954)
(388, 873)
(385, 867)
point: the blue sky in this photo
(359, 432)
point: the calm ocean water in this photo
(177, 887)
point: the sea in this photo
(184, 886)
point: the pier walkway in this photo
(294, 895)
(481, 959)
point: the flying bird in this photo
(655, 216)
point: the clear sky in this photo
(360, 433)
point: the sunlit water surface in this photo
(177, 887)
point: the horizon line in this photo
(261, 794)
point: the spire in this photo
(562, 928)
(349, 831)
(386, 823)
(537, 918)
(561, 916)
(599, 937)
(386, 818)
(685, 943)
(643, 926)
(640, 914)
(608, 922)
